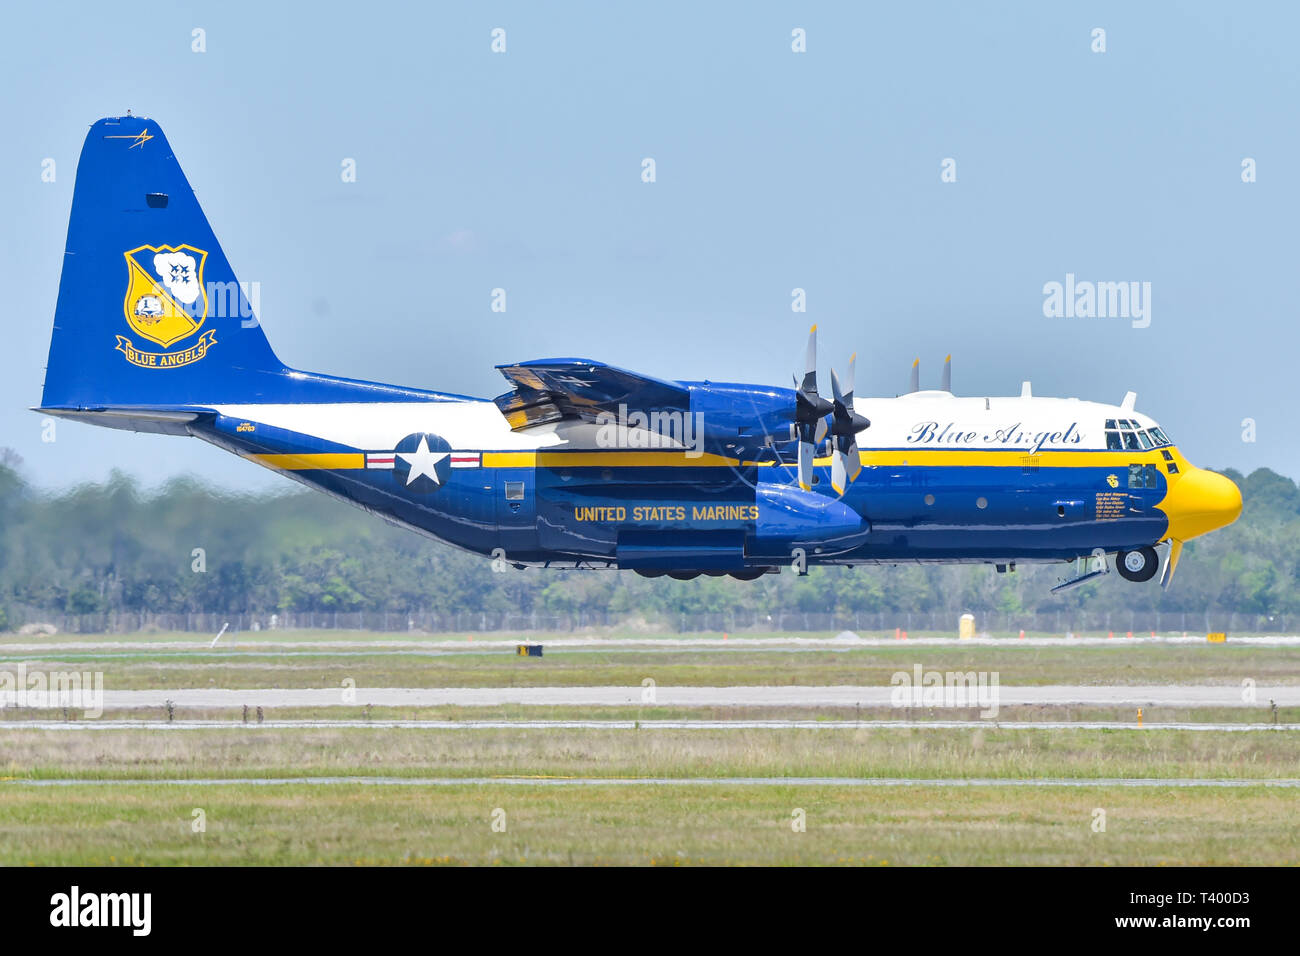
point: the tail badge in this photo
(166, 302)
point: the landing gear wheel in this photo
(683, 575)
(1139, 565)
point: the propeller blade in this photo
(947, 374)
(839, 471)
(805, 465)
(1171, 562)
(810, 361)
(837, 406)
(846, 421)
(809, 405)
(846, 463)
(916, 376)
(820, 434)
(854, 460)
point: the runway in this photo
(1151, 695)
(928, 782)
(628, 725)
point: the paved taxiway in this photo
(636, 725)
(1153, 695)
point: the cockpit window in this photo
(1125, 433)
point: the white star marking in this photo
(422, 461)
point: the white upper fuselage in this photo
(926, 420)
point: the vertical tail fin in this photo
(149, 311)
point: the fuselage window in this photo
(1131, 442)
(1173, 468)
(1110, 423)
(1142, 437)
(1160, 437)
(1143, 476)
(514, 491)
(1112, 441)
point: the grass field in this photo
(980, 752)
(295, 667)
(134, 818)
(349, 824)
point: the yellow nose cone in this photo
(1200, 501)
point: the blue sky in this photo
(775, 170)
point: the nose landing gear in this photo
(1138, 565)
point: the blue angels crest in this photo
(166, 302)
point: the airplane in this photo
(584, 465)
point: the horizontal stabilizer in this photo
(153, 421)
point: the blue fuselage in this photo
(625, 509)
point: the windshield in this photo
(1126, 433)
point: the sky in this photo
(775, 170)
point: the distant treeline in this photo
(110, 548)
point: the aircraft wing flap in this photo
(548, 390)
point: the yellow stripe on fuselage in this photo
(329, 461)
(932, 457)
(605, 459)
(984, 458)
(893, 458)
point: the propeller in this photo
(915, 384)
(810, 413)
(947, 375)
(846, 463)
(1171, 563)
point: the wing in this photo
(548, 390)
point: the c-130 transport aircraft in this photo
(584, 465)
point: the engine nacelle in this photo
(789, 518)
